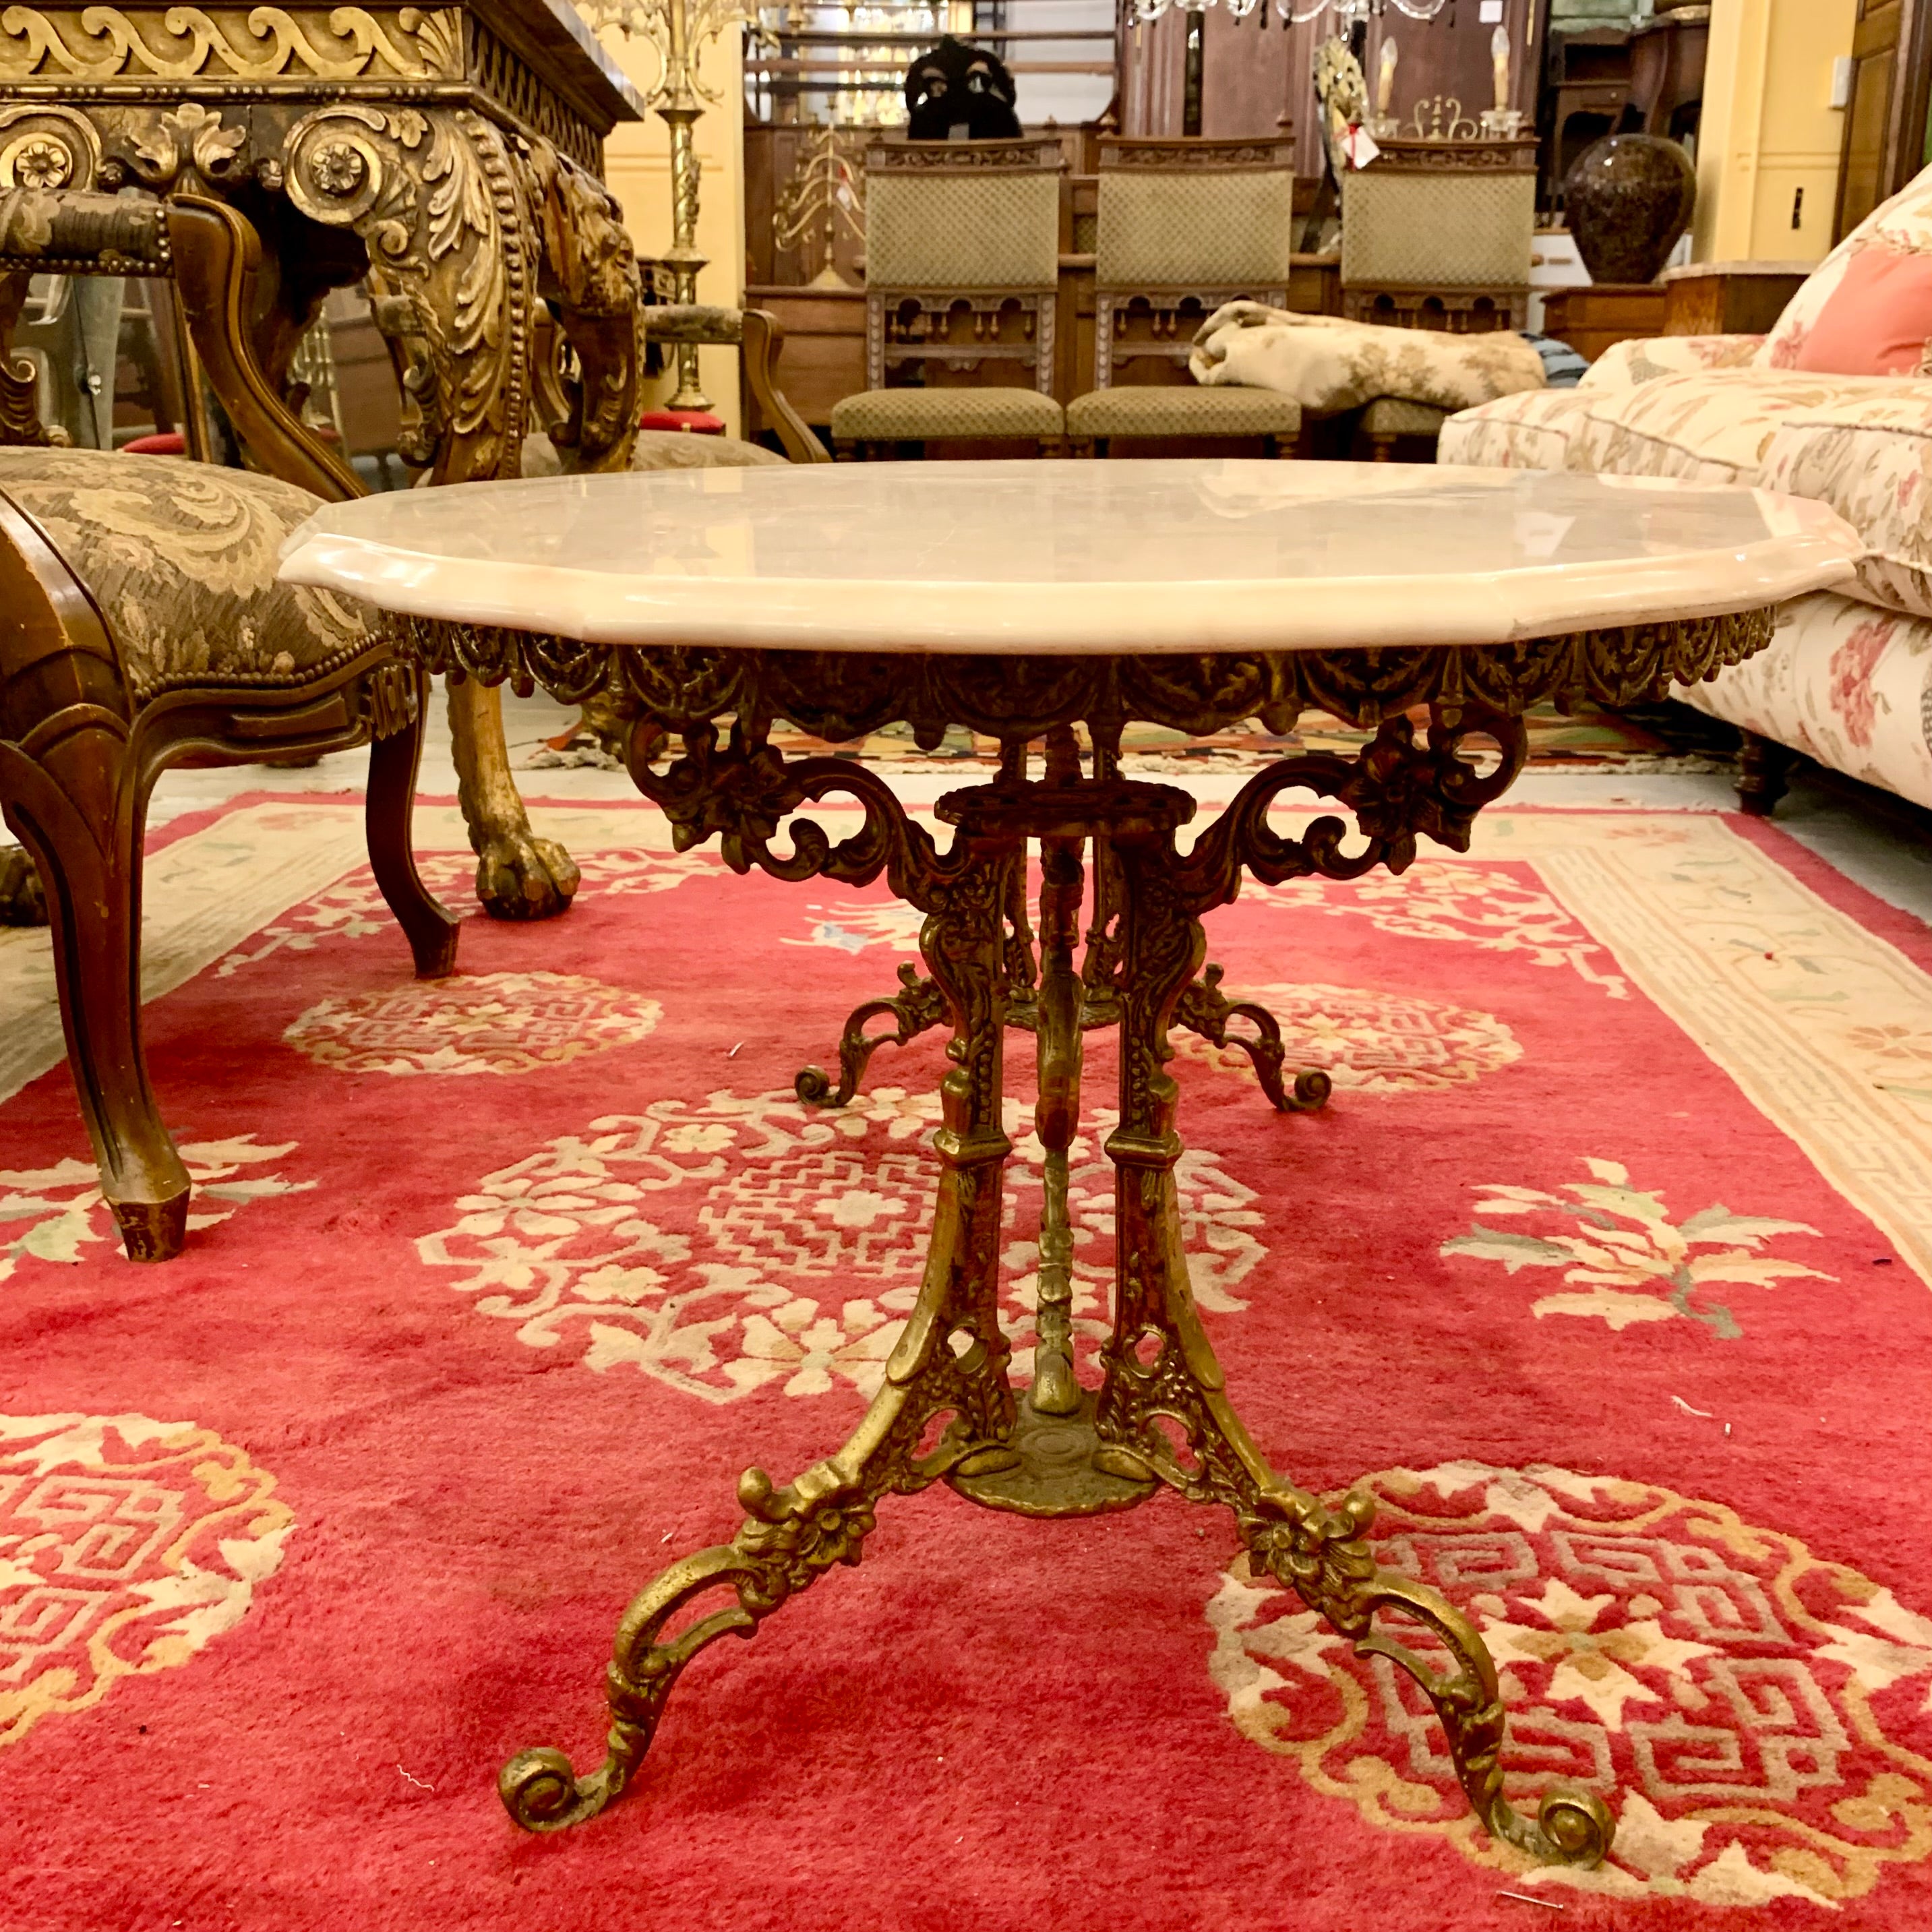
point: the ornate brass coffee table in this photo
(1024, 601)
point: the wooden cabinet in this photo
(1598, 317)
(1729, 298)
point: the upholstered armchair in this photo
(1183, 226)
(141, 623)
(759, 340)
(962, 270)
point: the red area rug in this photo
(1605, 1268)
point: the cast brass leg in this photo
(1164, 1411)
(945, 1405)
(917, 1009)
(1203, 1009)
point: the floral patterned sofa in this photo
(1847, 680)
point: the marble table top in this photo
(1046, 557)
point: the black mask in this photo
(958, 93)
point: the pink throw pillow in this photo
(1878, 321)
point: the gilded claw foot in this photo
(520, 876)
(22, 902)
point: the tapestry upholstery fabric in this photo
(1903, 226)
(997, 229)
(1392, 415)
(1448, 230)
(1195, 228)
(1172, 410)
(181, 558)
(892, 415)
(1326, 364)
(1845, 684)
(1643, 358)
(661, 449)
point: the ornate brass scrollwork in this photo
(947, 1410)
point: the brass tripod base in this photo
(1056, 1472)
(946, 1409)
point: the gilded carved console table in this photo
(1190, 595)
(450, 153)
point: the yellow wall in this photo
(1768, 129)
(637, 163)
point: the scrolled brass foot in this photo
(1321, 1552)
(542, 1793)
(1572, 1827)
(917, 1007)
(1312, 1090)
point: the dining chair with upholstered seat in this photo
(1183, 226)
(962, 274)
(141, 623)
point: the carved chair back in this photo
(1438, 235)
(1183, 226)
(970, 226)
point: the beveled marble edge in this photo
(1047, 620)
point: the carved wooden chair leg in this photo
(93, 878)
(519, 876)
(21, 901)
(1764, 773)
(389, 814)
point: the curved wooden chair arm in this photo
(75, 232)
(217, 267)
(759, 341)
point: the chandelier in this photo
(1296, 13)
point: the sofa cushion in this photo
(1868, 454)
(181, 558)
(1714, 428)
(1645, 358)
(1847, 684)
(1529, 431)
(1878, 321)
(1902, 225)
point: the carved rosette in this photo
(47, 147)
(434, 194)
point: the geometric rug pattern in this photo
(1605, 1270)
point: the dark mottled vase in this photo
(1628, 199)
